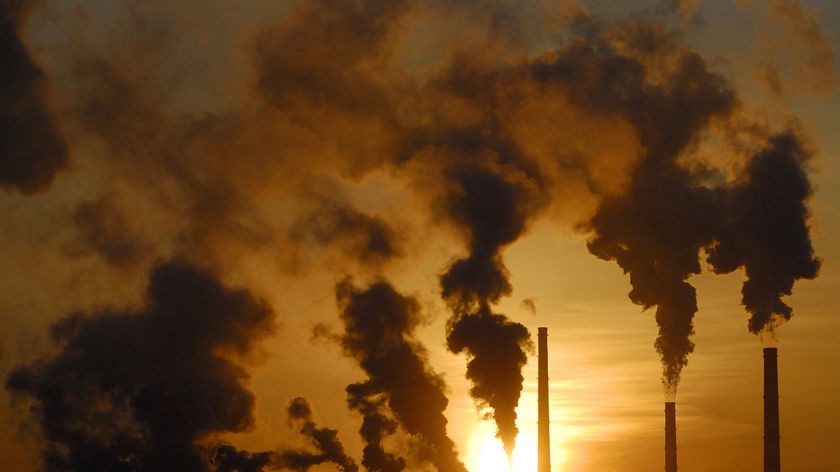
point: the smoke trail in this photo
(656, 227)
(322, 446)
(32, 149)
(135, 391)
(379, 326)
(325, 442)
(767, 230)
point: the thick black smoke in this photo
(767, 230)
(492, 205)
(32, 149)
(655, 228)
(135, 391)
(324, 442)
(379, 326)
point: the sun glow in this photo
(486, 453)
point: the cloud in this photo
(138, 390)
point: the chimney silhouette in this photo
(670, 437)
(771, 411)
(543, 442)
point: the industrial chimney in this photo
(670, 437)
(771, 411)
(543, 442)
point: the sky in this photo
(315, 235)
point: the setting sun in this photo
(486, 453)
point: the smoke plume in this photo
(656, 227)
(767, 230)
(379, 326)
(136, 391)
(491, 204)
(32, 149)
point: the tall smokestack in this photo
(771, 411)
(670, 437)
(544, 444)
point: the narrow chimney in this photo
(771, 411)
(544, 444)
(670, 437)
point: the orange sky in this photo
(282, 147)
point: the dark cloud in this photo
(767, 230)
(135, 391)
(32, 149)
(379, 326)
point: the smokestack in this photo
(544, 444)
(670, 437)
(771, 411)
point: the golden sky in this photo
(316, 235)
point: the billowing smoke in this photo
(379, 325)
(135, 391)
(32, 149)
(308, 128)
(492, 205)
(767, 230)
(655, 228)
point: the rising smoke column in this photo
(32, 149)
(379, 326)
(492, 205)
(767, 230)
(655, 228)
(135, 391)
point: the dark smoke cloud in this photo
(135, 391)
(493, 206)
(767, 230)
(32, 149)
(323, 440)
(656, 227)
(379, 326)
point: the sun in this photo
(486, 454)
